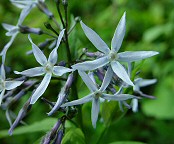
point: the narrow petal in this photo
(6, 47)
(24, 13)
(60, 38)
(119, 34)
(37, 71)
(135, 56)
(40, 57)
(8, 27)
(60, 100)
(95, 39)
(1, 96)
(146, 82)
(79, 101)
(95, 111)
(121, 72)
(60, 70)
(107, 79)
(41, 88)
(12, 84)
(88, 81)
(2, 72)
(119, 97)
(91, 65)
(53, 57)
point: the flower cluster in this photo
(105, 76)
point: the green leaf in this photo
(110, 112)
(163, 106)
(127, 142)
(40, 126)
(74, 136)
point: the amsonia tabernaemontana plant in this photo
(107, 73)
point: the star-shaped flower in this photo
(96, 94)
(5, 84)
(13, 31)
(111, 56)
(47, 68)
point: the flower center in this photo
(113, 56)
(48, 68)
(98, 94)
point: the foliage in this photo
(150, 26)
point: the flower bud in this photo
(42, 6)
(27, 30)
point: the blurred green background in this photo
(150, 26)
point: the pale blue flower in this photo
(47, 68)
(6, 84)
(96, 94)
(13, 31)
(111, 56)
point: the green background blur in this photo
(150, 26)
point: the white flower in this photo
(111, 56)
(13, 31)
(96, 94)
(6, 85)
(47, 68)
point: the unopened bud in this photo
(27, 30)
(42, 6)
(59, 137)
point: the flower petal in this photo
(60, 38)
(119, 97)
(41, 88)
(95, 39)
(88, 81)
(12, 84)
(6, 47)
(8, 27)
(24, 13)
(60, 100)
(119, 34)
(1, 96)
(135, 56)
(3, 72)
(91, 65)
(40, 57)
(60, 70)
(95, 111)
(37, 71)
(79, 101)
(53, 57)
(107, 79)
(121, 72)
(146, 82)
